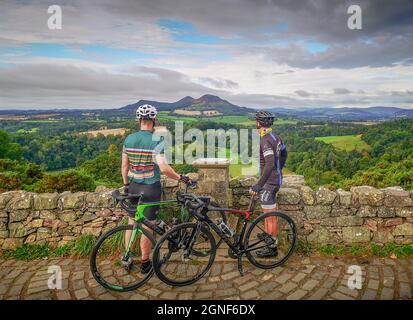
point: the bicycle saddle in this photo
(122, 196)
(128, 201)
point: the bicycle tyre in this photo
(156, 258)
(279, 215)
(93, 263)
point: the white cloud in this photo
(254, 71)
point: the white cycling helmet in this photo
(146, 112)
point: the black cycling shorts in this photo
(268, 196)
(150, 193)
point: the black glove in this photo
(185, 179)
(256, 188)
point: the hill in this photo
(207, 104)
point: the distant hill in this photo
(206, 103)
(209, 105)
(346, 114)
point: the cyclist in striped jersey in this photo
(143, 161)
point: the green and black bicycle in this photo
(115, 264)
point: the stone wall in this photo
(55, 218)
(363, 214)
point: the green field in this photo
(33, 130)
(165, 116)
(240, 120)
(235, 170)
(236, 120)
(346, 143)
(40, 121)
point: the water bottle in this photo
(225, 229)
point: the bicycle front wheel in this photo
(270, 240)
(177, 258)
(109, 266)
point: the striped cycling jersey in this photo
(141, 148)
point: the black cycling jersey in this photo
(273, 155)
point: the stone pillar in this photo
(214, 178)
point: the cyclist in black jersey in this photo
(273, 155)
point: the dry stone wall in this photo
(363, 214)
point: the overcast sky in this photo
(253, 53)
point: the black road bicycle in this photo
(176, 259)
(115, 263)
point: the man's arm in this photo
(125, 168)
(283, 155)
(267, 169)
(165, 168)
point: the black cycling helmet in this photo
(265, 118)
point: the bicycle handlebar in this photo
(190, 202)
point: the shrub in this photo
(184, 168)
(105, 168)
(10, 181)
(70, 180)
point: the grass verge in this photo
(356, 250)
(80, 248)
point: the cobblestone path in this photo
(303, 278)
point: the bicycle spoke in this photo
(188, 266)
(277, 231)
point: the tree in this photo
(9, 150)
(112, 150)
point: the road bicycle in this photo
(176, 260)
(116, 265)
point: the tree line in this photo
(43, 162)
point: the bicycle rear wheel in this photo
(177, 259)
(107, 265)
(270, 240)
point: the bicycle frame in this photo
(235, 246)
(141, 219)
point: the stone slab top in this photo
(211, 163)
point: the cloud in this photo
(402, 93)
(220, 83)
(251, 61)
(341, 91)
(302, 93)
(241, 25)
(49, 86)
(83, 22)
